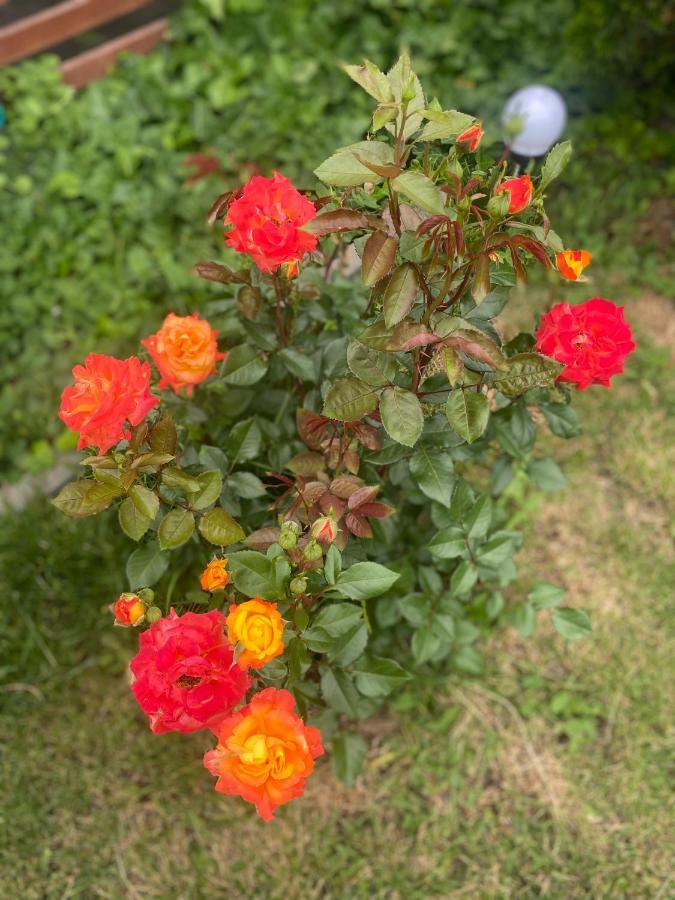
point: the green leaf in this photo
(526, 371)
(421, 191)
(463, 578)
(210, 486)
(349, 399)
(468, 413)
(364, 580)
(546, 596)
(246, 485)
(146, 565)
(478, 520)
(348, 754)
(495, 551)
(243, 366)
(523, 618)
(132, 522)
(175, 528)
(344, 169)
(546, 474)
(145, 500)
(379, 255)
(402, 416)
(176, 478)
(555, 162)
(399, 294)
(571, 623)
(86, 498)
(298, 364)
(376, 676)
(371, 366)
(432, 469)
(426, 642)
(347, 648)
(339, 691)
(253, 574)
(218, 527)
(444, 124)
(243, 442)
(562, 419)
(468, 659)
(163, 437)
(374, 82)
(449, 543)
(338, 618)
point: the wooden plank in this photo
(86, 67)
(56, 23)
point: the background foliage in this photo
(100, 228)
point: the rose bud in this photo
(288, 536)
(215, 576)
(325, 530)
(129, 610)
(571, 263)
(313, 551)
(468, 140)
(520, 192)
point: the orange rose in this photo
(128, 610)
(185, 351)
(571, 263)
(520, 192)
(265, 752)
(215, 576)
(256, 625)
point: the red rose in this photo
(519, 191)
(266, 222)
(185, 674)
(591, 339)
(469, 140)
(108, 393)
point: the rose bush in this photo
(358, 446)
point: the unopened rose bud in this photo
(215, 576)
(128, 610)
(147, 595)
(464, 205)
(288, 537)
(325, 530)
(468, 141)
(298, 585)
(154, 614)
(498, 206)
(409, 91)
(313, 551)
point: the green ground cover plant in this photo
(100, 225)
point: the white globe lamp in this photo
(533, 120)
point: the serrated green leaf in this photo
(348, 754)
(371, 366)
(338, 691)
(349, 399)
(572, 624)
(400, 293)
(426, 642)
(253, 574)
(546, 474)
(132, 522)
(218, 527)
(210, 486)
(243, 366)
(145, 500)
(546, 596)
(526, 371)
(175, 528)
(555, 162)
(444, 124)
(364, 580)
(344, 168)
(402, 416)
(298, 364)
(146, 565)
(449, 543)
(468, 413)
(376, 676)
(421, 191)
(432, 469)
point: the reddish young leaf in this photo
(363, 495)
(358, 525)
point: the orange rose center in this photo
(265, 755)
(258, 633)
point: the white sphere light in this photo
(534, 118)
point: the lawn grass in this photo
(551, 778)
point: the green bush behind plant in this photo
(98, 221)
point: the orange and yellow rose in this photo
(128, 610)
(571, 263)
(215, 576)
(469, 140)
(185, 351)
(520, 191)
(258, 627)
(265, 752)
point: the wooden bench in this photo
(69, 18)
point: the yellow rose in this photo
(256, 625)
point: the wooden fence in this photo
(54, 24)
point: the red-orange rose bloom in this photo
(265, 752)
(185, 351)
(266, 222)
(591, 339)
(108, 393)
(470, 139)
(185, 674)
(519, 190)
(571, 263)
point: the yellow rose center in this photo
(263, 754)
(258, 633)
